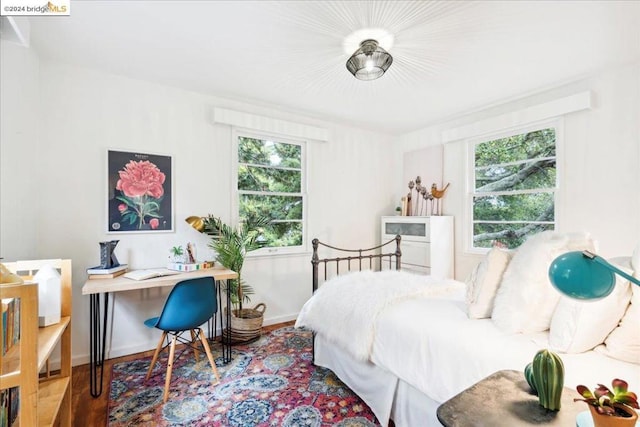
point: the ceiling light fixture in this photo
(370, 61)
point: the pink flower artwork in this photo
(140, 189)
(141, 178)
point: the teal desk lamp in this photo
(585, 275)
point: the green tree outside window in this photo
(270, 184)
(514, 185)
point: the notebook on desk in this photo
(149, 273)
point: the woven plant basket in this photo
(246, 325)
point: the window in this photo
(271, 183)
(513, 187)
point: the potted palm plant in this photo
(232, 245)
(611, 408)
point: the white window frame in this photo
(235, 199)
(557, 124)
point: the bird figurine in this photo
(438, 194)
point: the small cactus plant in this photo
(545, 376)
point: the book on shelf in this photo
(107, 276)
(10, 323)
(9, 404)
(100, 270)
(149, 273)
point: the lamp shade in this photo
(580, 276)
(196, 222)
(369, 62)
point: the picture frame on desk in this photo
(139, 192)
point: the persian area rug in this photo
(270, 382)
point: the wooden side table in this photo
(505, 399)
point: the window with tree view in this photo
(514, 185)
(271, 185)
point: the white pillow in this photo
(484, 282)
(623, 343)
(579, 326)
(526, 298)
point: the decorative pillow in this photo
(484, 282)
(623, 343)
(526, 298)
(579, 326)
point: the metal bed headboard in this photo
(362, 255)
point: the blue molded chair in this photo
(190, 304)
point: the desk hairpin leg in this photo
(225, 336)
(97, 340)
(213, 322)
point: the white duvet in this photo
(444, 352)
(345, 309)
(424, 337)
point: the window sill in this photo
(279, 254)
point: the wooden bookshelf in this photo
(45, 399)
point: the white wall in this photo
(86, 112)
(19, 119)
(599, 161)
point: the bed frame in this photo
(370, 254)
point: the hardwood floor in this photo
(92, 412)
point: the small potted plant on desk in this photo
(177, 254)
(232, 245)
(611, 408)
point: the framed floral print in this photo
(140, 195)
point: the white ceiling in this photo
(450, 57)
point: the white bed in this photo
(424, 348)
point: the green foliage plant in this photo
(270, 179)
(605, 400)
(232, 245)
(506, 167)
(177, 252)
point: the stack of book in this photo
(106, 273)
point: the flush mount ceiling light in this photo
(370, 61)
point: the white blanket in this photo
(344, 309)
(431, 345)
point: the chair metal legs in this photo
(195, 335)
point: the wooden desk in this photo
(95, 288)
(504, 399)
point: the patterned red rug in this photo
(270, 382)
